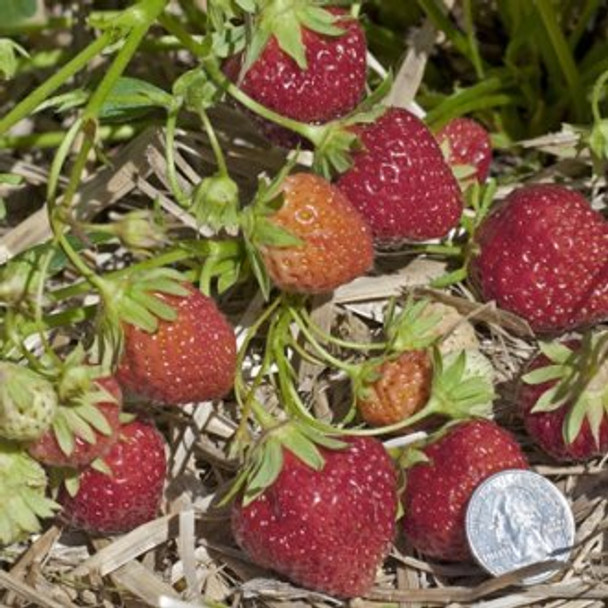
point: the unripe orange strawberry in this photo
(403, 387)
(335, 244)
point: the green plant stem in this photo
(596, 96)
(246, 403)
(177, 191)
(314, 133)
(349, 368)
(52, 139)
(46, 89)
(472, 40)
(173, 26)
(215, 144)
(326, 337)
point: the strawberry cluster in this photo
(315, 499)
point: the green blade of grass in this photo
(564, 56)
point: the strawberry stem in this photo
(314, 133)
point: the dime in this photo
(516, 518)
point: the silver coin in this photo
(516, 518)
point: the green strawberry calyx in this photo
(22, 487)
(265, 458)
(285, 19)
(578, 380)
(136, 299)
(259, 230)
(28, 403)
(413, 326)
(462, 387)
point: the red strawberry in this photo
(543, 254)
(437, 490)
(325, 529)
(47, 449)
(129, 494)
(336, 244)
(323, 80)
(400, 181)
(190, 359)
(467, 143)
(563, 399)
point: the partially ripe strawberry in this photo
(335, 242)
(326, 82)
(402, 388)
(93, 427)
(329, 529)
(467, 143)
(129, 493)
(543, 255)
(563, 399)
(189, 359)
(400, 181)
(439, 485)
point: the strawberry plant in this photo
(250, 252)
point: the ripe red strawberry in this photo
(82, 451)
(563, 399)
(402, 388)
(129, 495)
(437, 490)
(325, 82)
(466, 142)
(325, 529)
(190, 359)
(335, 242)
(400, 181)
(543, 254)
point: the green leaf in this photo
(15, 12)
(135, 314)
(555, 351)
(267, 471)
(63, 434)
(9, 50)
(302, 447)
(544, 374)
(79, 427)
(131, 98)
(95, 417)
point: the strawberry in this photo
(440, 483)
(330, 243)
(82, 431)
(402, 388)
(543, 254)
(400, 181)
(563, 399)
(191, 358)
(326, 529)
(28, 403)
(466, 142)
(305, 62)
(129, 493)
